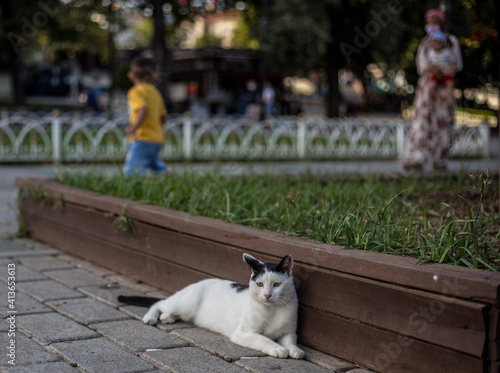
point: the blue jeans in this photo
(141, 156)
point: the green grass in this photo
(398, 217)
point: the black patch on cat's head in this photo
(286, 265)
(258, 267)
(239, 287)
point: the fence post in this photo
(301, 137)
(187, 131)
(56, 137)
(484, 132)
(400, 140)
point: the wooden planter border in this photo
(380, 311)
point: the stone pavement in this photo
(61, 315)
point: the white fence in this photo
(73, 137)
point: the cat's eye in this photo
(260, 284)
(276, 284)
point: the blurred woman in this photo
(430, 138)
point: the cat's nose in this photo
(267, 296)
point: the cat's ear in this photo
(255, 264)
(286, 265)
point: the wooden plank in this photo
(445, 321)
(378, 349)
(494, 323)
(75, 195)
(442, 320)
(212, 258)
(494, 339)
(495, 367)
(153, 271)
(441, 279)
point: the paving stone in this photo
(75, 278)
(158, 294)
(87, 311)
(10, 245)
(190, 360)
(14, 249)
(216, 344)
(53, 327)
(175, 326)
(87, 266)
(48, 290)
(5, 261)
(326, 361)
(4, 326)
(56, 367)
(272, 364)
(24, 304)
(135, 311)
(107, 293)
(101, 355)
(32, 244)
(137, 336)
(22, 273)
(27, 350)
(130, 283)
(46, 263)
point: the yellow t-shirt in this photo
(145, 94)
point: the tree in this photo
(327, 34)
(335, 34)
(54, 25)
(167, 16)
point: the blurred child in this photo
(147, 116)
(442, 56)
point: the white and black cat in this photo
(261, 315)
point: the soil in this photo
(485, 208)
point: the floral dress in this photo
(430, 137)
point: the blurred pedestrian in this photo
(430, 138)
(147, 116)
(268, 97)
(252, 110)
(94, 97)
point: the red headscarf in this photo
(438, 16)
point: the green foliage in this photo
(123, 223)
(244, 36)
(143, 32)
(304, 23)
(120, 79)
(367, 31)
(389, 216)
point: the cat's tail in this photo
(138, 301)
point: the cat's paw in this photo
(280, 352)
(149, 319)
(167, 318)
(296, 353)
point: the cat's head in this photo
(271, 283)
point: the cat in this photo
(261, 315)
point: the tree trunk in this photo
(13, 58)
(163, 55)
(333, 96)
(15, 75)
(497, 47)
